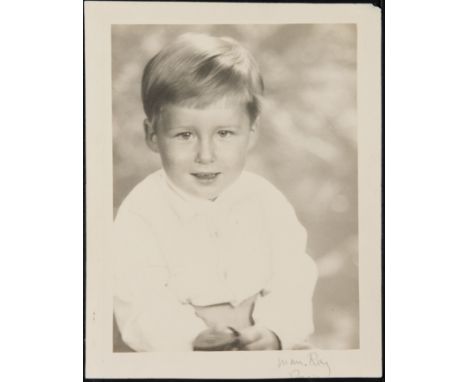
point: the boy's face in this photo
(203, 151)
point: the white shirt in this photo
(173, 252)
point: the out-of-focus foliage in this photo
(307, 145)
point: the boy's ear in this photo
(150, 135)
(253, 134)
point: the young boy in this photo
(204, 249)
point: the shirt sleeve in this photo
(149, 315)
(285, 306)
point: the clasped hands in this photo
(220, 337)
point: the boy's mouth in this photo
(205, 176)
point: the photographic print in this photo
(233, 190)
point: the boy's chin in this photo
(207, 189)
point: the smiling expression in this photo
(203, 150)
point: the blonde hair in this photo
(196, 70)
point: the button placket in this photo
(215, 234)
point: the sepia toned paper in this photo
(108, 23)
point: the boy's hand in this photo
(216, 338)
(258, 338)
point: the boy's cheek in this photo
(175, 157)
(235, 153)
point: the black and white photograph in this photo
(238, 223)
(267, 196)
(199, 190)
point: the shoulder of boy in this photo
(143, 194)
(267, 191)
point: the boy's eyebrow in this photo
(188, 126)
(181, 127)
(233, 126)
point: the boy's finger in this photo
(219, 327)
(249, 335)
(256, 345)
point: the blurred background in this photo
(307, 146)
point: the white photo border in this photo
(101, 362)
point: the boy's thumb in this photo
(248, 335)
(219, 327)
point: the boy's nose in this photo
(205, 153)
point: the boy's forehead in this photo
(223, 102)
(224, 110)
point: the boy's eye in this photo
(225, 133)
(184, 135)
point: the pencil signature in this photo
(308, 365)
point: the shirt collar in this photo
(187, 206)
